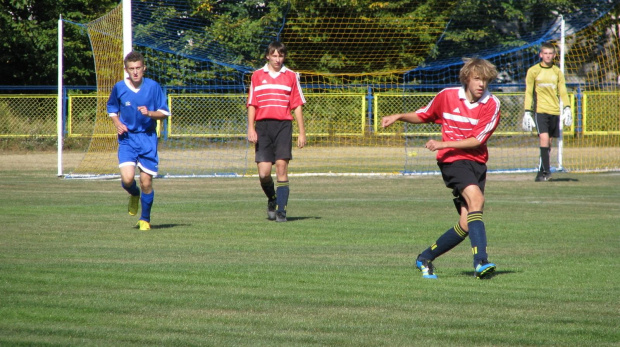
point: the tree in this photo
(28, 49)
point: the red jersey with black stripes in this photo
(275, 94)
(460, 120)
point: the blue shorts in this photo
(139, 149)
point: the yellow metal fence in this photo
(325, 114)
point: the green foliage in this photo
(242, 29)
(499, 23)
(401, 32)
(28, 50)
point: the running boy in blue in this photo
(135, 105)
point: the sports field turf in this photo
(214, 272)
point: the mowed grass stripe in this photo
(213, 271)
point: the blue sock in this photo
(132, 189)
(282, 191)
(445, 242)
(147, 203)
(477, 236)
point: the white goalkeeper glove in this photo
(528, 121)
(566, 117)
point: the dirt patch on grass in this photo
(38, 161)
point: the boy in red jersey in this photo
(468, 116)
(274, 93)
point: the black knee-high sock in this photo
(268, 188)
(282, 191)
(445, 242)
(477, 236)
(544, 160)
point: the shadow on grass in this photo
(495, 274)
(564, 179)
(168, 226)
(292, 219)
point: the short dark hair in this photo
(275, 46)
(133, 56)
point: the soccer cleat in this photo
(484, 269)
(547, 176)
(143, 225)
(280, 216)
(543, 177)
(271, 210)
(426, 267)
(132, 207)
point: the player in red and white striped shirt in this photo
(468, 116)
(274, 93)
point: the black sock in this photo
(544, 160)
(268, 188)
(445, 242)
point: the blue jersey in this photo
(124, 102)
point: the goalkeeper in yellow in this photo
(544, 89)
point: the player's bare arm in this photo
(151, 114)
(120, 127)
(434, 145)
(410, 117)
(252, 136)
(299, 118)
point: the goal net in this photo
(358, 61)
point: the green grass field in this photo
(214, 272)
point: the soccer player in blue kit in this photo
(134, 106)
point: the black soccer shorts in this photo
(547, 123)
(462, 173)
(275, 140)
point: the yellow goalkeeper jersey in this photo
(544, 87)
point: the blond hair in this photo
(479, 66)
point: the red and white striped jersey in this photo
(461, 120)
(275, 94)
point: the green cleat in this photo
(143, 225)
(132, 207)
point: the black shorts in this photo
(275, 140)
(547, 123)
(463, 173)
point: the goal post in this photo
(562, 54)
(60, 100)
(127, 30)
